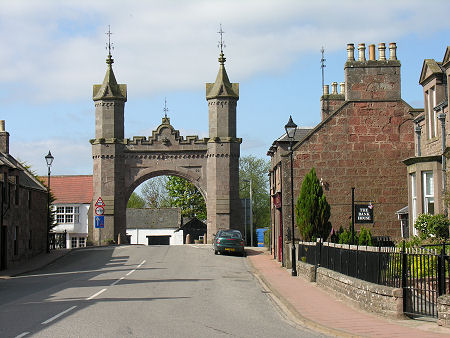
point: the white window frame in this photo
(428, 194)
(414, 202)
(74, 240)
(67, 214)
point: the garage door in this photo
(158, 240)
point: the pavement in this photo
(35, 263)
(301, 301)
(309, 305)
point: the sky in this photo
(53, 52)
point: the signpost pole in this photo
(353, 215)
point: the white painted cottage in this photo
(154, 226)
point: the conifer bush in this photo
(312, 210)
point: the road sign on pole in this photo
(99, 222)
(100, 202)
(99, 211)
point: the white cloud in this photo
(71, 156)
(56, 49)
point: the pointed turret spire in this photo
(109, 89)
(222, 87)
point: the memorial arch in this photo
(121, 164)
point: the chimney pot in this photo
(350, 52)
(392, 51)
(372, 52)
(326, 89)
(4, 138)
(334, 88)
(2, 125)
(382, 51)
(342, 89)
(362, 52)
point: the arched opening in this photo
(165, 209)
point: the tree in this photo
(256, 169)
(135, 201)
(183, 194)
(154, 192)
(312, 210)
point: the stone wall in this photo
(444, 310)
(380, 299)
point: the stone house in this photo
(365, 132)
(73, 196)
(23, 204)
(426, 168)
(154, 226)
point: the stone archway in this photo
(121, 164)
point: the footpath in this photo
(306, 304)
(34, 263)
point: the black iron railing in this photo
(422, 273)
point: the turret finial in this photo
(109, 46)
(165, 110)
(221, 45)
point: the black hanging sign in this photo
(364, 213)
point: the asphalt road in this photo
(142, 291)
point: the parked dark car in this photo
(229, 241)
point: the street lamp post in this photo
(291, 128)
(251, 212)
(49, 159)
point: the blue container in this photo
(260, 235)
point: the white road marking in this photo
(95, 295)
(59, 315)
(22, 335)
(129, 273)
(117, 281)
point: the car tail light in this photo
(218, 241)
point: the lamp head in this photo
(49, 159)
(290, 128)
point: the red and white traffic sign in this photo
(99, 211)
(100, 202)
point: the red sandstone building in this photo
(427, 172)
(365, 133)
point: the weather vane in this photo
(109, 46)
(322, 65)
(221, 42)
(165, 110)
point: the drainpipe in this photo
(441, 117)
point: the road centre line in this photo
(117, 281)
(58, 315)
(95, 295)
(129, 273)
(22, 334)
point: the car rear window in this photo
(230, 235)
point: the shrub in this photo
(312, 210)
(432, 226)
(267, 238)
(365, 237)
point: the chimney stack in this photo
(372, 52)
(350, 52)
(382, 51)
(362, 52)
(334, 88)
(392, 51)
(4, 138)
